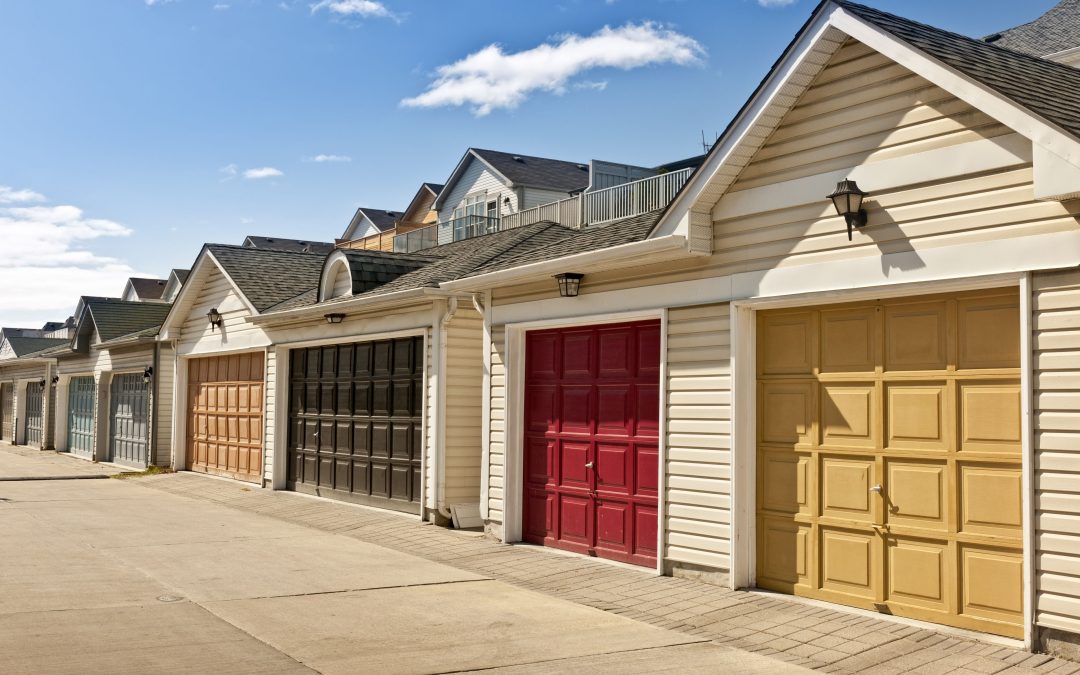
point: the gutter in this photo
(362, 303)
(671, 242)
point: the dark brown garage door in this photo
(225, 416)
(356, 420)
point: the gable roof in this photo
(266, 277)
(434, 188)
(24, 346)
(382, 219)
(280, 244)
(115, 318)
(1038, 98)
(371, 269)
(181, 275)
(147, 289)
(1055, 31)
(540, 172)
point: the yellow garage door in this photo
(888, 458)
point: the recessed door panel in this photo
(888, 461)
(598, 495)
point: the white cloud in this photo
(46, 263)
(9, 195)
(776, 3)
(328, 158)
(365, 9)
(262, 172)
(490, 79)
(151, 3)
(221, 6)
(590, 84)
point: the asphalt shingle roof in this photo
(1055, 31)
(148, 289)
(267, 277)
(24, 346)
(293, 245)
(1048, 89)
(382, 218)
(492, 252)
(371, 269)
(116, 318)
(435, 187)
(181, 275)
(555, 174)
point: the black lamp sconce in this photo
(569, 284)
(42, 383)
(147, 374)
(848, 200)
(334, 318)
(55, 379)
(214, 317)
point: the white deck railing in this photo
(634, 198)
(564, 212)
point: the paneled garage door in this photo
(225, 416)
(356, 422)
(7, 409)
(591, 428)
(888, 457)
(129, 422)
(81, 416)
(35, 411)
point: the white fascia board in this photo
(523, 273)
(1040, 131)
(678, 211)
(179, 304)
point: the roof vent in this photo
(992, 38)
(582, 167)
(517, 158)
(269, 240)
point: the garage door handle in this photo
(876, 488)
(588, 465)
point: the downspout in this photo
(451, 310)
(151, 443)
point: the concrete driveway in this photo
(110, 576)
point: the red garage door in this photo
(592, 402)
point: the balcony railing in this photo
(591, 208)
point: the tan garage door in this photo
(225, 416)
(889, 457)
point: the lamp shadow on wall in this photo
(896, 250)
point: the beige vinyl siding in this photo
(131, 360)
(464, 373)
(497, 428)
(270, 409)
(163, 405)
(1056, 364)
(196, 335)
(342, 281)
(698, 437)
(861, 110)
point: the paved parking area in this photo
(114, 576)
(827, 639)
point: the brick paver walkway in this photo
(831, 640)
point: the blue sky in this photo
(128, 125)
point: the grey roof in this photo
(267, 277)
(501, 250)
(143, 334)
(55, 350)
(541, 172)
(281, 244)
(115, 318)
(24, 346)
(1055, 31)
(1048, 89)
(435, 188)
(181, 275)
(382, 218)
(149, 289)
(371, 269)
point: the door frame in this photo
(744, 418)
(62, 426)
(513, 487)
(180, 406)
(107, 378)
(282, 355)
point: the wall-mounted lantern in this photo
(147, 374)
(334, 318)
(569, 284)
(55, 379)
(848, 200)
(214, 317)
(42, 383)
